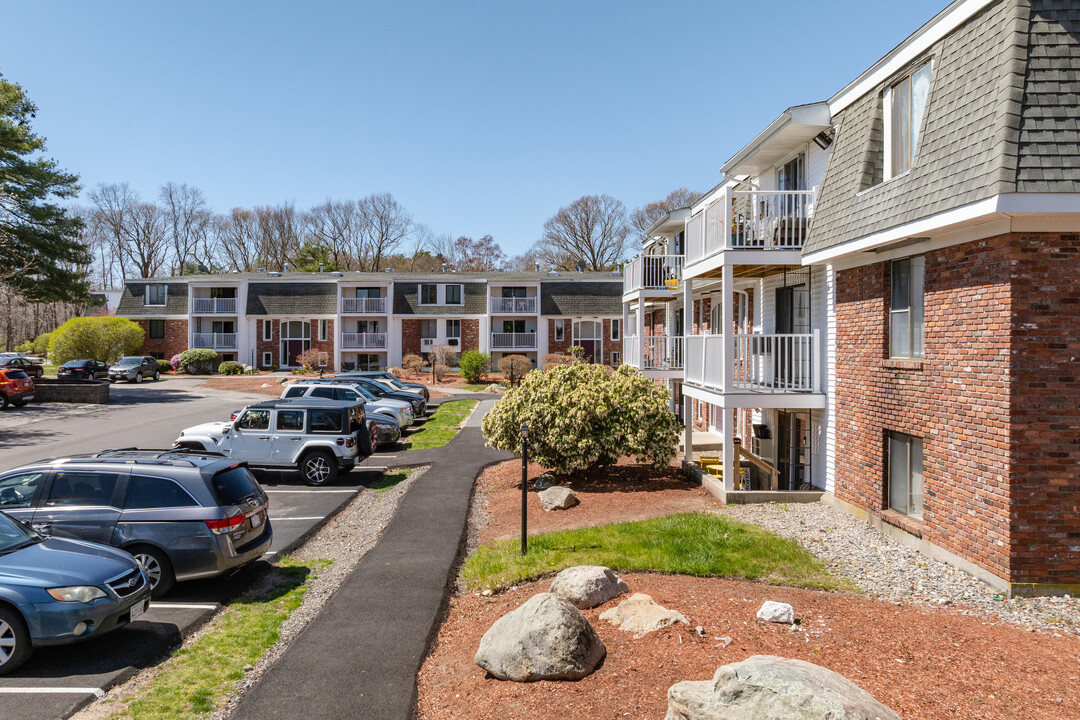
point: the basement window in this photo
(906, 475)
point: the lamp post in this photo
(524, 484)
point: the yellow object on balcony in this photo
(672, 284)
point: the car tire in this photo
(138, 377)
(157, 566)
(15, 645)
(3, 401)
(318, 467)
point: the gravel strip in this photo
(886, 569)
(345, 540)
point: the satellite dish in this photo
(203, 268)
(581, 266)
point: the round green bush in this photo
(197, 361)
(164, 366)
(473, 365)
(106, 339)
(230, 368)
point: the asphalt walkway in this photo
(359, 658)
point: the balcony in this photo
(512, 306)
(363, 341)
(513, 341)
(653, 272)
(214, 341)
(213, 306)
(363, 306)
(654, 352)
(760, 363)
(773, 220)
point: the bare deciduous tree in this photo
(187, 222)
(481, 255)
(278, 233)
(135, 229)
(645, 216)
(238, 235)
(386, 224)
(336, 225)
(593, 229)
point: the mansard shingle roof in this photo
(292, 298)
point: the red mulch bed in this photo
(246, 384)
(926, 664)
(623, 492)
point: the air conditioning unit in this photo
(452, 341)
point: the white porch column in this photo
(688, 311)
(688, 430)
(727, 426)
(640, 320)
(726, 323)
(625, 332)
(484, 341)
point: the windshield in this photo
(14, 535)
(129, 361)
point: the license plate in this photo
(256, 520)
(138, 610)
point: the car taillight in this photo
(223, 526)
(350, 441)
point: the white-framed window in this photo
(324, 329)
(157, 330)
(157, 294)
(906, 308)
(268, 330)
(904, 106)
(616, 359)
(429, 329)
(453, 328)
(455, 294)
(560, 330)
(616, 330)
(906, 475)
(429, 294)
(268, 359)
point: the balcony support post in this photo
(727, 324)
(727, 427)
(639, 320)
(688, 428)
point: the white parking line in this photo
(314, 517)
(96, 692)
(183, 606)
(372, 467)
(313, 490)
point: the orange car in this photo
(16, 388)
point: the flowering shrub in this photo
(198, 360)
(309, 359)
(230, 368)
(175, 361)
(581, 415)
(577, 351)
(553, 359)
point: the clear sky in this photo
(480, 117)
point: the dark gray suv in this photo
(183, 515)
(136, 368)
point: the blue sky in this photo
(480, 117)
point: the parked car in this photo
(16, 388)
(399, 410)
(417, 401)
(20, 363)
(56, 591)
(83, 370)
(315, 436)
(394, 381)
(135, 368)
(32, 358)
(182, 515)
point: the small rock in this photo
(486, 593)
(546, 638)
(776, 612)
(557, 498)
(495, 388)
(249, 668)
(284, 381)
(545, 481)
(944, 601)
(723, 642)
(587, 586)
(265, 385)
(767, 686)
(700, 631)
(641, 615)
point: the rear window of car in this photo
(145, 491)
(17, 375)
(295, 392)
(324, 421)
(233, 485)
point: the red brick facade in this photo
(470, 334)
(273, 346)
(174, 342)
(559, 346)
(410, 337)
(994, 399)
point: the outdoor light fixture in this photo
(524, 484)
(824, 139)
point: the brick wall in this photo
(470, 334)
(702, 308)
(410, 336)
(654, 322)
(272, 346)
(610, 345)
(175, 340)
(326, 346)
(559, 346)
(957, 399)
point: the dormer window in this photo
(155, 294)
(905, 107)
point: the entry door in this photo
(793, 449)
(792, 317)
(81, 504)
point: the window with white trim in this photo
(454, 294)
(560, 330)
(616, 329)
(268, 359)
(429, 294)
(904, 109)
(156, 294)
(616, 359)
(324, 329)
(453, 328)
(906, 308)
(906, 475)
(268, 330)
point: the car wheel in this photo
(319, 468)
(157, 567)
(157, 376)
(3, 401)
(138, 377)
(15, 647)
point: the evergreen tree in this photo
(41, 256)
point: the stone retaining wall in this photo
(51, 390)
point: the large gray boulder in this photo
(766, 686)
(544, 482)
(557, 498)
(546, 638)
(587, 586)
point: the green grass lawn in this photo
(387, 481)
(49, 368)
(197, 677)
(440, 427)
(689, 544)
(473, 388)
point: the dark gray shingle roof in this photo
(292, 298)
(133, 299)
(570, 298)
(407, 297)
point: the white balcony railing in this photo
(513, 306)
(363, 305)
(363, 341)
(653, 272)
(214, 341)
(751, 220)
(654, 352)
(770, 363)
(210, 306)
(513, 341)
